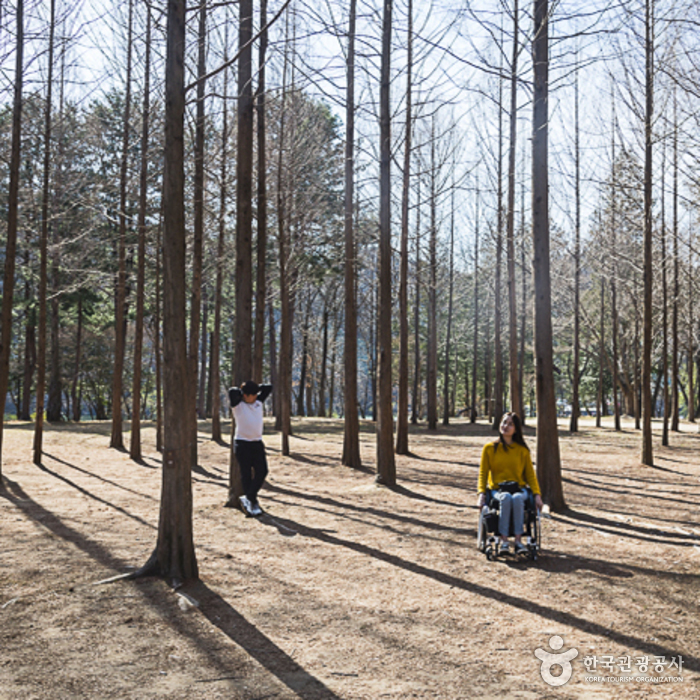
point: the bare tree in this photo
(8, 283)
(402, 417)
(135, 447)
(351, 440)
(386, 465)
(117, 439)
(548, 458)
(647, 449)
(43, 247)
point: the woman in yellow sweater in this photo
(508, 459)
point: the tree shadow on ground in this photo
(623, 529)
(261, 648)
(214, 608)
(533, 607)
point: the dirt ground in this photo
(345, 590)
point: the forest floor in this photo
(343, 589)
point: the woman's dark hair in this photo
(517, 435)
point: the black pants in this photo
(253, 464)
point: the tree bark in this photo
(351, 438)
(548, 458)
(43, 246)
(243, 367)
(386, 466)
(515, 388)
(117, 439)
(261, 279)
(575, 402)
(135, 447)
(446, 379)
(174, 557)
(12, 207)
(402, 414)
(498, 349)
(475, 350)
(431, 373)
(647, 456)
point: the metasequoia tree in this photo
(475, 348)
(261, 279)
(402, 414)
(515, 388)
(647, 449)
(575, 381)
(198, 224)
(135, 445)
(43, 248)
(431, 359)
(117, 439)
(386, 465)
(243, 358)
(351, 440)
(174, 557)
(548, 458)
(8, 284)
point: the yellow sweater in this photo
(498, 465)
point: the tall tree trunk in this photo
(575, 402)
(203, 356)
(498, 382)
(8, 285)
(284, 379)
(135, 447)
(431, 374)
(548, 458)
(216, 434)
(243, 363)
(351, 438)
(613, 283)
(448, 338)
(664, 305)
(415, 401)
(29, 348)
(647, 456)
(675, 351)
(402, 414)
(157, 349)
(386, 466)
(515, 388)
(261, 279)
(692, 276)
(475, 351)
(321, 413)
(117, 439)
(174, 557)
(198, 228)
(76, 393)
(43, 255)
(523, 313)
(600, 408)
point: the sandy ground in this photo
(344, 589)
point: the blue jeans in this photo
(511, 503)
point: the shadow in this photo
(316, 462)
(34, 511)
(214, 608)
(89, 494)
(323, 500)
(403, 491)
(203, 471)
(95, 476)
(638, 532)
(533, 607)
(261, 648)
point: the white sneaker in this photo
(256, 509)
(247, 505)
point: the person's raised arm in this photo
(265, 391)
(235, 396)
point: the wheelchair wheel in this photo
(481, 532)
(536, 544)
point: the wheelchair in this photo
(488, 538)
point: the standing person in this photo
(508, 460)
(247, 406)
